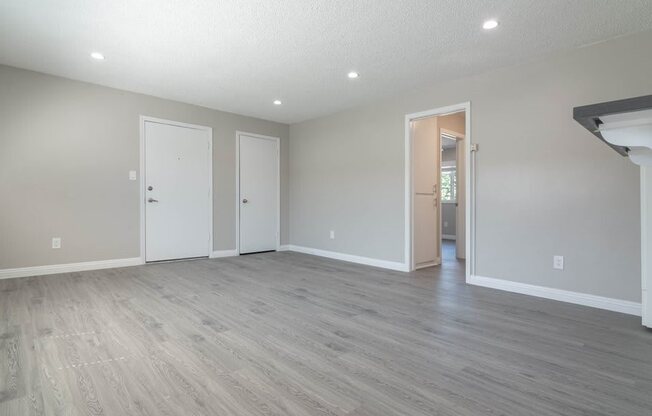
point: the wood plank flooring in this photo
(292, 334)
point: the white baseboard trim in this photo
(391, 265)
(284, 247)
(69, 267)
(449, 236)
(223, 253)
(600, 302)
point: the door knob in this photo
(152, 200)
(244, 201)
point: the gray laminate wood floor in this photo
(292, 334)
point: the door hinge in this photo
(474, 147)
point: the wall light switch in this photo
(332, 235)
(132, 175)
(56, 242)
(558, 262)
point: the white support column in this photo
(646, 245)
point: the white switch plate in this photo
(332, 235)
(132, 175)
(56, 242)
(558, 262)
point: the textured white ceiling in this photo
(239, 55)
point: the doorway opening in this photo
(439, 204)
(451, 195)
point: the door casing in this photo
(469, 186)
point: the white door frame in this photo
(469, 191)
(239, 133)
(209, 130)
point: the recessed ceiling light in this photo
(97, 56)
(490, 24)
(353, 75)
(278, 102)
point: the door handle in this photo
(244, 201)
(152, 200)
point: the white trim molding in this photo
(284, 247)
(223, 253)
(600, 302)
(384, 264)
(69, 267)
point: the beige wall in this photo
(454, 122)
(545, 186)
(65, 151)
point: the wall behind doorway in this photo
(448, 217)
(448, 209)
(457, 123)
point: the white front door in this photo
(426, 146)
(259, 193)
(177, 191)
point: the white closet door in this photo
(259, 193)
(177, 192)
(426, 145)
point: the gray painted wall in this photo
(448, 217)
(65, 151)
(448, 154)
(545, 186)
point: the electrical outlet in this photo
(332, 235)
(56, 242)
(132, 175)
(558, 262)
